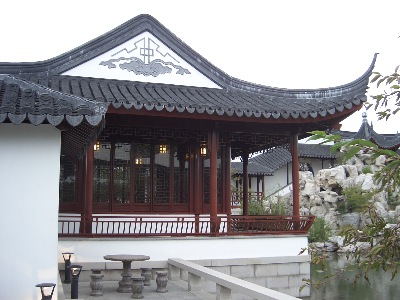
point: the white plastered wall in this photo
(160, 249)
(29, 175)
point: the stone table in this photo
(126, 259)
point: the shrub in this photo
(355, 199)
(319, 231)
(393, 200)
(366, 170)
(277, 208)
(256, 208)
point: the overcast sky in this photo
(287, 44)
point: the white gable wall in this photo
(29, 179)
(144, 58)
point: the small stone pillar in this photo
(146, 273)
(137, 287)
(96, 283)
(162, 280)
(194, 282)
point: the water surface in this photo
(381, 287)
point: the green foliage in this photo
(393, 200)
(256, 208)
(392, 93)
(384, 252)
(366, 170)
(320, 231)
(355, 199)
(275, 208)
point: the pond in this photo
(381, 286)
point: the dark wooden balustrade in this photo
(148, 226)
(237, 197)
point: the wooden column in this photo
(263, 185)
(213, 147)
(295, 172)
(227, 188)
(195, 187)
(245, 158)
(89, 189)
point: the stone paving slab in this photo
(176, 291)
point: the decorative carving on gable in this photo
(151, 61)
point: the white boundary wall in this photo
(29, 162)
(189, 248)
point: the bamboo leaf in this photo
(376, 77)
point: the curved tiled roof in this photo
(278, 157)
(366, 132)
(235, 98)
(253, 169)
(316, 151)
(81, 119)
(24, 101)
(210, 101)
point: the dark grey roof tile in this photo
(20, 98)
(253, 169)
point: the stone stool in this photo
(96, 283)
(146, 273)
(162, 280)
(137, 287)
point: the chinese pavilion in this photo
(149, 126)
(138, 130)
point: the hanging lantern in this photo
(163, 149)
(96, 146)
(203, 150)
(139, 161)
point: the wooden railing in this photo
(237, 197)
(148, 226)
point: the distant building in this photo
(271, 171)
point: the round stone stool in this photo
(162, 280)
(146, 273)
(137, 287)
(96, 283)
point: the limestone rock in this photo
(397, 211)
(380, 209)
(318, 211)
(349, 219)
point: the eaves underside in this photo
(330, 120)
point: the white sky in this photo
(287, 44)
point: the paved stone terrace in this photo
(177, 290)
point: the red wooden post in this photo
(263, 185)
(213, 147)
(227, 183)
(245, 157)
(89, 189)
(295, 174)
(196, 190)
(81, 185)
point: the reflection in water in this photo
(380, 288)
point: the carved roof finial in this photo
(364, 115)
